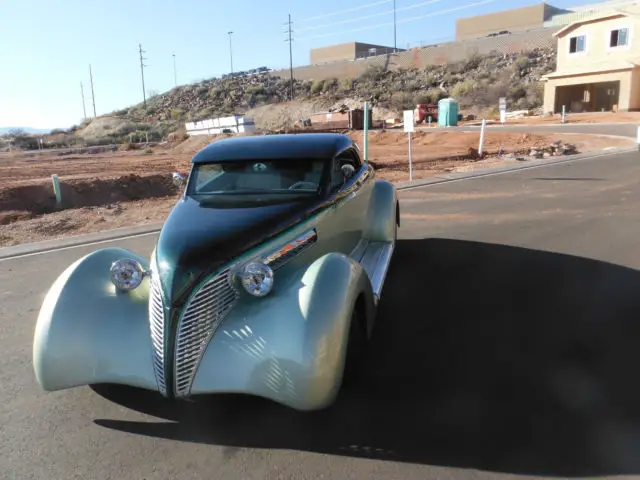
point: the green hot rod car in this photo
(264, 280)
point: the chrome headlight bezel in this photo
(127, 274)
(257, 278)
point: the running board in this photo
(374, 258)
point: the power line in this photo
(290, 40)
(142, 65)
(374, 15)
(407, 20)
(348, 10)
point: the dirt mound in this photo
(26, 201)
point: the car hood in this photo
(198, 238)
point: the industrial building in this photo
(348, 51)
(532, 17)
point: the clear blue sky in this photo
(47, 46)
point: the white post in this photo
(56, 189)
(366, 131)
(482, 129)
(410, 160)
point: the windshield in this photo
(281, 176)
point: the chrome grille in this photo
(156, 325)
(200, 318)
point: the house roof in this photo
(631, 11)
(595, 68)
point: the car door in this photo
(352, 200)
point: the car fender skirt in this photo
(87, 332)
(289, 346)
(382, 213)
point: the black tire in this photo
(356, 351)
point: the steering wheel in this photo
(303, 184)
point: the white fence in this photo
(213, 126)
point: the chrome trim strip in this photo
(284, 254)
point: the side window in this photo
(349, 157)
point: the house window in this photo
(577, 44)
(619, 38)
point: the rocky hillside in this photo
(477, 83)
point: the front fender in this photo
(88, 332)
(290, 346)
(383, 213)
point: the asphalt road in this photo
(506, 344)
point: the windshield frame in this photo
(190, 189)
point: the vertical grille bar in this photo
(156, 325)
(203, 313)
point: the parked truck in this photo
(425, 110)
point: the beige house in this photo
(598, 64)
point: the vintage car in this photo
(264, 280)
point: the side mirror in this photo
(178, 180)
(347, 170)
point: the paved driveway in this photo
(507, 343)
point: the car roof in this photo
(262, 147)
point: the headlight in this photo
(127, 274)
(257, 279)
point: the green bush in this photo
(255, 90)
(329, 84)
(463, 89)
(317, 87)
(433, 95)
(346, 84)
(177, 114)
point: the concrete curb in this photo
(131, 232)
(518, 165)
(78, 240)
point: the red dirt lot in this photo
(125, 188)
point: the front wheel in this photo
(356, 352)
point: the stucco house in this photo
(598, 64)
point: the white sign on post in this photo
(409, 127)
(503, 109)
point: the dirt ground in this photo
(125, 188)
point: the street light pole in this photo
(175, 75)
(395, 46)
(230, 51)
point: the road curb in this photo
(525, 165)
(7, 253)
(78, 240)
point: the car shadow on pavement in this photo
(484, 356)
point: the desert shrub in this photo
(346, 84)
(464, 89)
(148, 151)
(401, 101)
(373, 74)
(433, 95)
(317, 87)
(177, 113)
(516, 92)
(255, 90)
(521, 63)
(329, 84)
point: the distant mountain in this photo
(4, 130)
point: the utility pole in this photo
(290, 40)
(142, 65)
(93, 97)
(84, 109)
(230, 51)
(395, 46)
(175, 75)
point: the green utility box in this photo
(447, 112)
